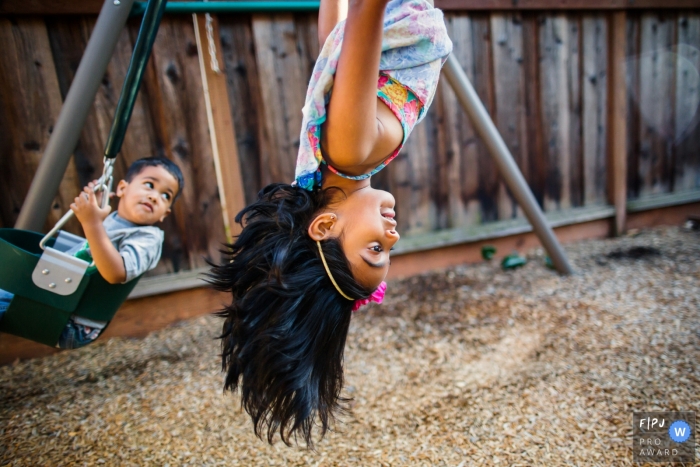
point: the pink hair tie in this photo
(377, 297)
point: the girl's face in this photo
(365, 225)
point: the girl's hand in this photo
(86, 207)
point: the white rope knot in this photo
(214, 62)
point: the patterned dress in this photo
(414, 47)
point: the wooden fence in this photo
(543, 75)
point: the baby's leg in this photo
(76, 335)
(5, 300)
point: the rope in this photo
(214, 62)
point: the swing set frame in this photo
(93, 65)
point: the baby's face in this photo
(147, 198)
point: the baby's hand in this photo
(86, 207)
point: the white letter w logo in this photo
(680, 432)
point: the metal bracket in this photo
(58, 272)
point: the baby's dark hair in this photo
(137, 167)
(284, 332)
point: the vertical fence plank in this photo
(173, 87)
(632, 41)
(20, 145)
(555, 88)
(417, 177)
(443, 162)
(273, 147)
(243, 87)
(594, 83)
(436, 164)
(507, 33)
(283, 87)
(460, 141)
(221, 129)
(534, 136)
(32, 102)
(616, 118)
(307, 44)
(655, 101)
(489, 182)
(271, 121)
(574, 100)
(687, 108)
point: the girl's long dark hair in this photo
(284, 332)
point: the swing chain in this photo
(104, 184)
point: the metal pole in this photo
(488, 132)
(72, 117)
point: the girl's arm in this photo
(331, 13)
(107, 259)
(353, 138)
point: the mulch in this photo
(468, 366)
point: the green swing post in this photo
(39, 314)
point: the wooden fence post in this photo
(221, 129)
(617, 119)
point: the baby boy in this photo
(125, 243)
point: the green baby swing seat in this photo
(40, 314)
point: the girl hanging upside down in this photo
(312, 252)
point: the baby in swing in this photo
(312, 252)
(125, 243)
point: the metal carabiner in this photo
(104, 183)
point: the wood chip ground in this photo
(468, 366)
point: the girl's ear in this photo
(321, 228)
(121, 187)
